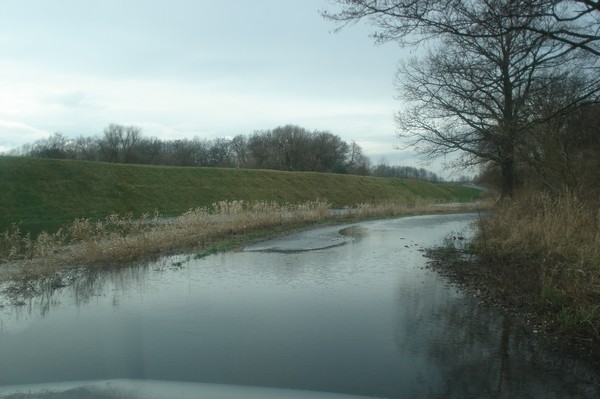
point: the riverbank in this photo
(31, 266)
(536, 258)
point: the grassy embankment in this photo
(541, 254)
(41, 194)
(114, 214)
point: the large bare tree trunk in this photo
(507, 167)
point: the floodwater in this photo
(348, 310)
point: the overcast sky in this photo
(185, 68)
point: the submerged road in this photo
(348, 310)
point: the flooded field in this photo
(348, 309)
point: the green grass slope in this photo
(45, 194)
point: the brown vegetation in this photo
(117, 241)
(538, 255)
(553, 244)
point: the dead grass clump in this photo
(548, 247)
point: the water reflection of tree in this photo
(475, 352)
(79, 286)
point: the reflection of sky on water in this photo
(363, 318)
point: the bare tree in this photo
(219, 153)
(328, 152)
(150, 151)
(110, 144)
(357, 163)
(118, 143)
(185, 152)
(261, 153)
(86, 148)
(472, 93)
(576, 23)
(239, 151)
(130, 137)
(292, 144)
(56, 146)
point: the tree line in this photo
(287, 148)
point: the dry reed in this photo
(121, 240)
(549, 248)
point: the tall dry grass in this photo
(121, 240)
(548, 247)
(413, 206)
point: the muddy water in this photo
(353, 313)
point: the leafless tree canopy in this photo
(479, 89)
(577, 23)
